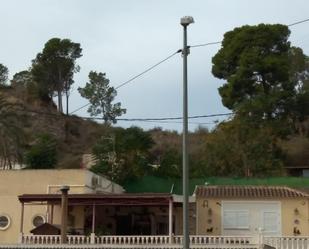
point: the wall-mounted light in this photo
(205, 203)
(209, 211)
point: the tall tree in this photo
(101, 96)
(3, 74)
(254, 61)
(265, 76)
(123, 154)
(54, 67)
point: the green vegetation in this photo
(101, 95)
(54, 67)
(266, 87)
(11, 134)
(43, 154)
(123, 154)
(3, 74)
(152, 184)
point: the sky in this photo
(122, 38)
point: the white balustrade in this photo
(296, 242)
(41, 239)
(158, 241)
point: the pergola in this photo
(94, 200)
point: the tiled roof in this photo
(248, 192)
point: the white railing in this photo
(138, 240)
(41, 239)
(132, 240)
(78, 239)
(216, 240)
(296, 242)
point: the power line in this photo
(147, 70)
(165, 118)
(59, 115)
(175, 118)
(136, 76)
(170, 56)
(205, 44)
(172, 122)
(219, 42)
(299, 22)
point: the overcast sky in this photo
(123, 38)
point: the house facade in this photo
(18, 182)
(30, 204)
(30, 198)
(249, 210)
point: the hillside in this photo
(76, 136)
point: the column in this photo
(64, 213)
(21, 232)
(52, 214)
(170, 220)
(92, 235)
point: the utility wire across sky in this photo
(167, 58)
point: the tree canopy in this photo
(123, 154)
(255, 62)
(54, 67)
(3, 74)
(101, 96)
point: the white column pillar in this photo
(92, 235)
(170, 220)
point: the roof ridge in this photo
(249, 191)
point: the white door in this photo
(271, 223)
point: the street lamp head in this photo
(186, 20)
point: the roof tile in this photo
(248, 192)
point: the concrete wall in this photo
(293, 210)
(18, 182)
(294, 214)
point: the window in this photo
(236, 219)
(270, 221)
(38, 220)
(4, 222)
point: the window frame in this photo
(38, 215)
(237, 214)
(8, 224)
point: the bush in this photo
(43, 154)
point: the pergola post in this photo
(170, 220)
(21, 232)
(52, 214)
(64, 213)
(92, 235)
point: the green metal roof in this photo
(154, 184)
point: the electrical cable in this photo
(170, 56)
(136, 76)
(299, 22)
(219, 42)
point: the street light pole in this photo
(185, 21)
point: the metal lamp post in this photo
(185, 22)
